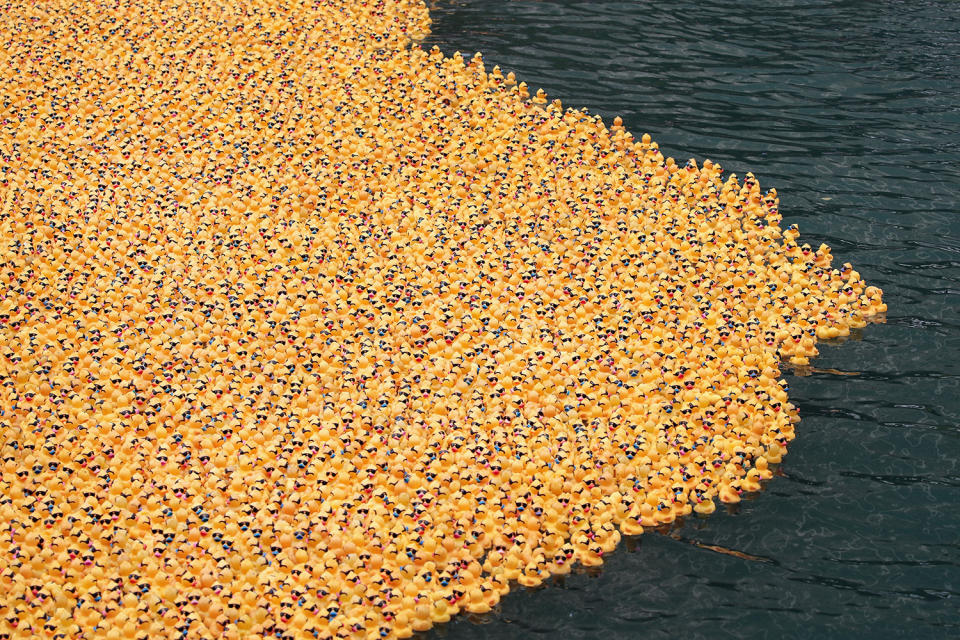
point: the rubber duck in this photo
(477, 602)
(532, 574)
(406, 377)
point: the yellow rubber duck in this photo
(307, 347)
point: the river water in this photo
(852, 111)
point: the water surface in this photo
(852, 111)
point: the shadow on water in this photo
(850, 110)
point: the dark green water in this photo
(852, 111)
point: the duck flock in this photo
(308, 332)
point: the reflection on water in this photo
(850, 109)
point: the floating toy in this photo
(307, 332)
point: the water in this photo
(852, 111)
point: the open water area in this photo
(851, 110)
